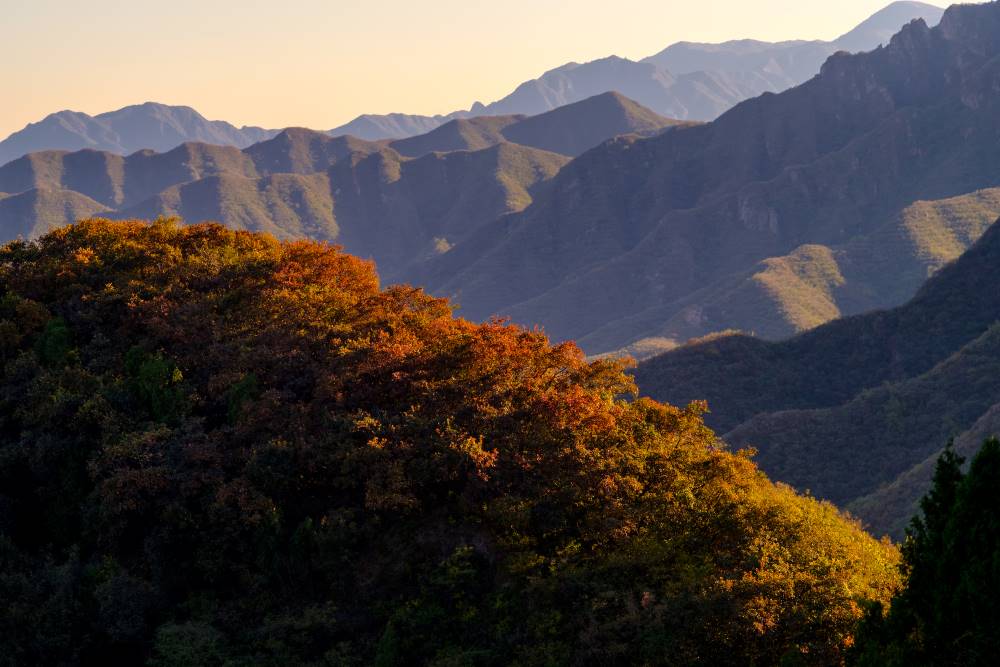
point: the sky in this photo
(320, 63)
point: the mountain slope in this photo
(302, 151)
(117, 181)
(890, 503)
(394, 209)
(813, 284)
(151, 126)
(407, 210)
(289, 206)
(860, 401)
(640, 224)
(374, 202)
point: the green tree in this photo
(53, 345)
(949, 611)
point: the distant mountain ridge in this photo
(150, 126)
(396, 202)
(789, 63)
(687, 80)
(373, 127)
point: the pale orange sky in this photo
(319, 64)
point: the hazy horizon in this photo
(318, 65)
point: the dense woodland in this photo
(221, 449)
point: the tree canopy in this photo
(220, 449)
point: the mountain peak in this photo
(879, 28)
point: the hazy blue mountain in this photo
(686, 81)
(151, 126)
(786, 64)
(695, 96)
(372, 127)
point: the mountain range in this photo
(785, 212)
(397, 202)
(781, 215)
(150, 126)
(857, 410)
(687, 80)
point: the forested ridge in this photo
(221, 449)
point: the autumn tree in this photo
(216, 448)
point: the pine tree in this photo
(968, 621)
(949, 612)
(921, 604)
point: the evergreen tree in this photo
(948, 613)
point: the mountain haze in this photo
(687, 81)
(786, 64)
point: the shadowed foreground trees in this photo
(949, 612)
(218, 449)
